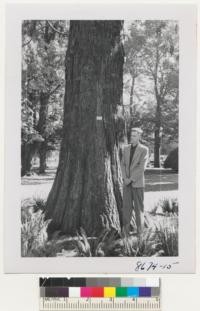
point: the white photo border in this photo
(186, 15)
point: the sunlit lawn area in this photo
(158, 186)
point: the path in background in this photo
(158, 186)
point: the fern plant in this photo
(33, 231)
(167, 235)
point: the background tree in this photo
(161, 57)
(156, 86)
(87, 190)
(44, 46)
(133, 46)
(134, 41)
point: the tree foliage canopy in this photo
(151, 74)
(152, 61)
(44, 45)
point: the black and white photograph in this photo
(99, 138)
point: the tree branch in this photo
(26, 43)
(54, 90)
(149, 67)
(56, 30)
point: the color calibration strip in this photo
(99, 287)
(104, 292)
(100, 281)
(95, 294)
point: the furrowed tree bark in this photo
(87, 190)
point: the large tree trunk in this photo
(44, 99)
(87, 190)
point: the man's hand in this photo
(127, 181)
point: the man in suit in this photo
(133, 164)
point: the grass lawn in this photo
(159, 239)
(157, 186)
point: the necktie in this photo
(132, 153)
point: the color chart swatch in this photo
(99, 287)
(99, 294)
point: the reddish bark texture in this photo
(87, 190)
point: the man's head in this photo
(135, 135)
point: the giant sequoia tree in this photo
(87, 190)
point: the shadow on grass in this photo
(161, 187)
(154, 182)
(161, 182)
(38, 179)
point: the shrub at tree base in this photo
(172, 160)
(33, 231)
(165, 206)
(160, 237)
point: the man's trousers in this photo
(133, 206)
